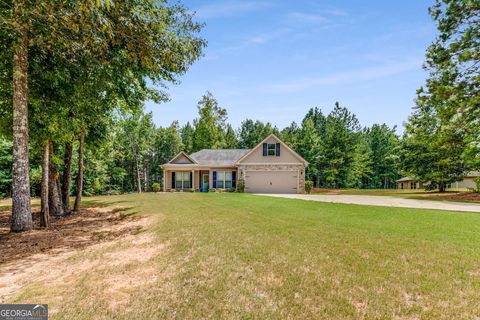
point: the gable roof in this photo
(218, 157)
(283, 144)
(181, 153)
(405, 179)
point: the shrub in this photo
(308, 186)
(212, 190)
(477, 185)
(241, 185)
(156, 187)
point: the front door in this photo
(205, 182)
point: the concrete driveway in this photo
(383, 201)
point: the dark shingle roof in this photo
(218, 157)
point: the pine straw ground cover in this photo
(239, 256)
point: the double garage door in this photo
(271, 181)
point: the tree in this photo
(309, 147)
(231, 140)
(210, 125)
(187, 134)
(361, 168)
(446, 119)
(252, 133)
(383, 143)
(431, 149)
(21, 208)
(291, 135)
(338, 146)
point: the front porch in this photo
(199, 180)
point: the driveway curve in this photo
(383, 201)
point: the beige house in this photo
(270, 167)
(412, 183)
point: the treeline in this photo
(128, 157)
(68, 70)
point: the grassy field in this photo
(239, 256)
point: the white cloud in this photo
(306, 18)
(228, 8)
(347, 77)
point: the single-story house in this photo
(270, 167)
(412, 183)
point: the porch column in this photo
(193, 180)
(163, 179)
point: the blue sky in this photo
(273, 60)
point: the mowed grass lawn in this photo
(239, 256)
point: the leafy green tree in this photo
(231, 140)
(291, 135)
(309, 147)
(361, 168)
(338, 146)
(210, 125)
(187, 134)
(252, 133)
(431, 149)
(5, 167)
(384, 144)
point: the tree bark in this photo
(21, 207)
(44, 211)
(67, 176)
(55, 201)
(441, 187)
(78, 197)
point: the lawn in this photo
(239, 256)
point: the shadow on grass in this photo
(90, 226)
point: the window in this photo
(271, 149)
(220, 179)
(182, 180)
(224, 179)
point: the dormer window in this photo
(271, 149)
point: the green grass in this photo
(239, 256)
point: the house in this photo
(412, 183)
(270, 167)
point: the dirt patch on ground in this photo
(91, 226)
(74, 245)
(460, 196)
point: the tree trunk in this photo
(78, 197)
(21, 208)
(441, 187)
(44, 211)
(67, 176)
(55, 201)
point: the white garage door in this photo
(271, 181)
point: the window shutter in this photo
(191, 181)
(234, 179)
(173, 180)
(277, 147)
(214, 179)
(265, 150)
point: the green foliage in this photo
(187, 134)
(252, 133)
(210, 126)
(156, 187)
(441, 140)
(308, 186)
(5, 167)
(231, 139)
(241, 185)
